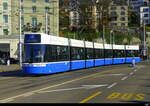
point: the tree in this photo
(103, 13)
(64, 16)
(133, 20)
(29, 28)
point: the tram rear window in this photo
(32, 38)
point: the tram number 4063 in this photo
(126, 96)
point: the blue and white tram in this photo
(46, 54)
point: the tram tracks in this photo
(20, 85)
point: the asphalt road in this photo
(106, 84)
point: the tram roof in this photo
(55, 40)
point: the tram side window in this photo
(136, 53)
(99, 53)
(89, 53)
(50, 54)
(122, 53)
(108, 53)
(77, 53)
(115, 53)
(62, 53)
(56, 53)
(119, 53)
(130, 53)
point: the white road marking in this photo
(124, 78)
(28, 94)
(6, 100)
(135, 70)
(115, 74)
(69, 89)
(131, 73)
(112, 85)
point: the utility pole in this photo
(46, 22)
(144, 37)
(144, 43)
(111, 34)
(104, 34)
(20, 35)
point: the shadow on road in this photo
(17, 73)
(138, 102)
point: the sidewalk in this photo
(5, 68)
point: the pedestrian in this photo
(133, 62)
(8, 62)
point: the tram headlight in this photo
(39, 65)
(34, 65)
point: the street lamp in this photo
(46, 22)
(112, 39)
(20, 35)
(144, 42)
(104, 34)
(111, 34)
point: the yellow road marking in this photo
(139, 97)
(91, 97)
(125, 96)
(114, 95)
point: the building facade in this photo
(135, 4)
(5, 17)
(144, 15)
(118, 15)
(35, 13)
(40, 16)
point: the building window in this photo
(47, 9)
(122, 8)
(22, 9)
(146, 21)
(122, 19)
(123, 24)
(113, 24)
(145, 10)
(113, 8)
(114, 19)
(5, 6)
(34, 21)
(146, 15)
(123, 13)
(113, 13)
(46, 0)
(22, 20)
(34, 1)
(5, 18)
(33, 9)
(5, 31)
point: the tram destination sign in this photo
(32, 38)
